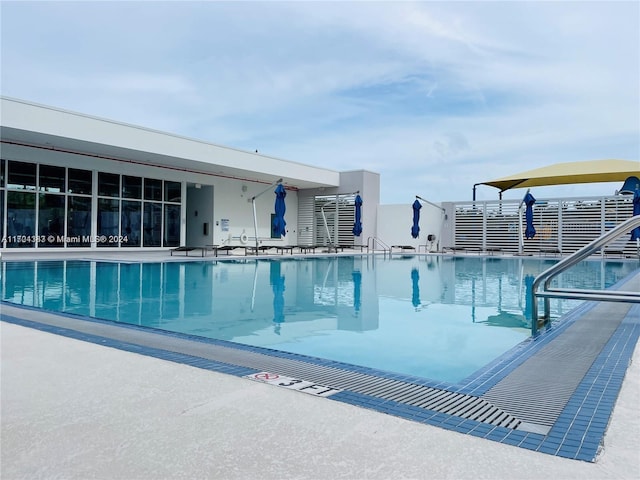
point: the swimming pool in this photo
(441, 318)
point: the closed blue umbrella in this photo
(357, 224)
(415, 288)
(635, 233)
(415, 229)
(278, 221)
(277, 285)
(528, 286)
(530, 232)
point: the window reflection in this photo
(172, 191)
(131, 223)
(152, 189)
(1, 215)
(108, 184)
(80, 181)
(51, 220)
(108, 222)
(79, 220)
(22, 176)
(21, 219)
(152, 224)
(54, 205)
(131, 187)
(171, 225)
(52, 179)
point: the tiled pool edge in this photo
(578, 433)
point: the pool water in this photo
(441, 318)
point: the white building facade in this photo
(72, 181)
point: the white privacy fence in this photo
(562, 225)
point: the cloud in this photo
(430, 94)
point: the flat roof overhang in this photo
(37, 126)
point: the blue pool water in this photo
(441, 318)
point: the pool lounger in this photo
(264, 249)
(186, 250)
(221, 248)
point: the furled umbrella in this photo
(278, 221)
(528, 287)
(277, 285)
(415, 229)
(415, 288)
(529, 200)
(635, 233)
(357, 224)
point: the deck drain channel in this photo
(433, 399)
(538, 390)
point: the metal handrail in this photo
(373, 240)
(580, 294)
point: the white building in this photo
(72, 181)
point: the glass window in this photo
(80, 181)
(108, 184)
(1, 216)
(108, 222)
(21, 219)
(172, 225)
(131, 223)
(172, 192)
(22, 175)
(131, 187)
(51, 220)
(152, 223)
(1, 173)
(79, 221)
(152, 189)
(51, 179)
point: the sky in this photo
(433, 96)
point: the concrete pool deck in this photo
(73, 409)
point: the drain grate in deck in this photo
(433, 399)
(538, 390)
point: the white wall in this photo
(368, 183)
(395, 222)
(233, 203)
(198, 212)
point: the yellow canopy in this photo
(592, 171)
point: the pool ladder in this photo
(576, 293)
(372, 242)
